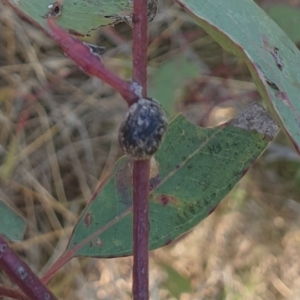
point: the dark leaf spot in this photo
(277, 58)
(272, 84)
(88, 220)
(284, 98)
(166, 199)
(55, 10)
(274, 52)
(76, 33)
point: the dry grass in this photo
(58, 138)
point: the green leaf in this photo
(77, 15)
(192, 172)
(245, 30)
(288, 18)
(169, 80)
(12, 225)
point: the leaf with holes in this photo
(186, 184)
(245, 30)
(76, 15)
(12, 225)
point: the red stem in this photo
(89, 62)
(140, 287)
(141, 168)
(92, 65)
(140, 44)
(56, 266)
(20, 273)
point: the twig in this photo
(89, 62)
(141, 168)
(140, 44)
(20, 273)
(140, 287)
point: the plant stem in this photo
(89, 62)
(140, 43)
(140, 287)
(56, 266)
(20, 273)
(141, 168)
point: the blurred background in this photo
(58, 139)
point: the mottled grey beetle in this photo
(141, 132)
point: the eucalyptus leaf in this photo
(245, 30)
(194, 169)
(12, 224)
